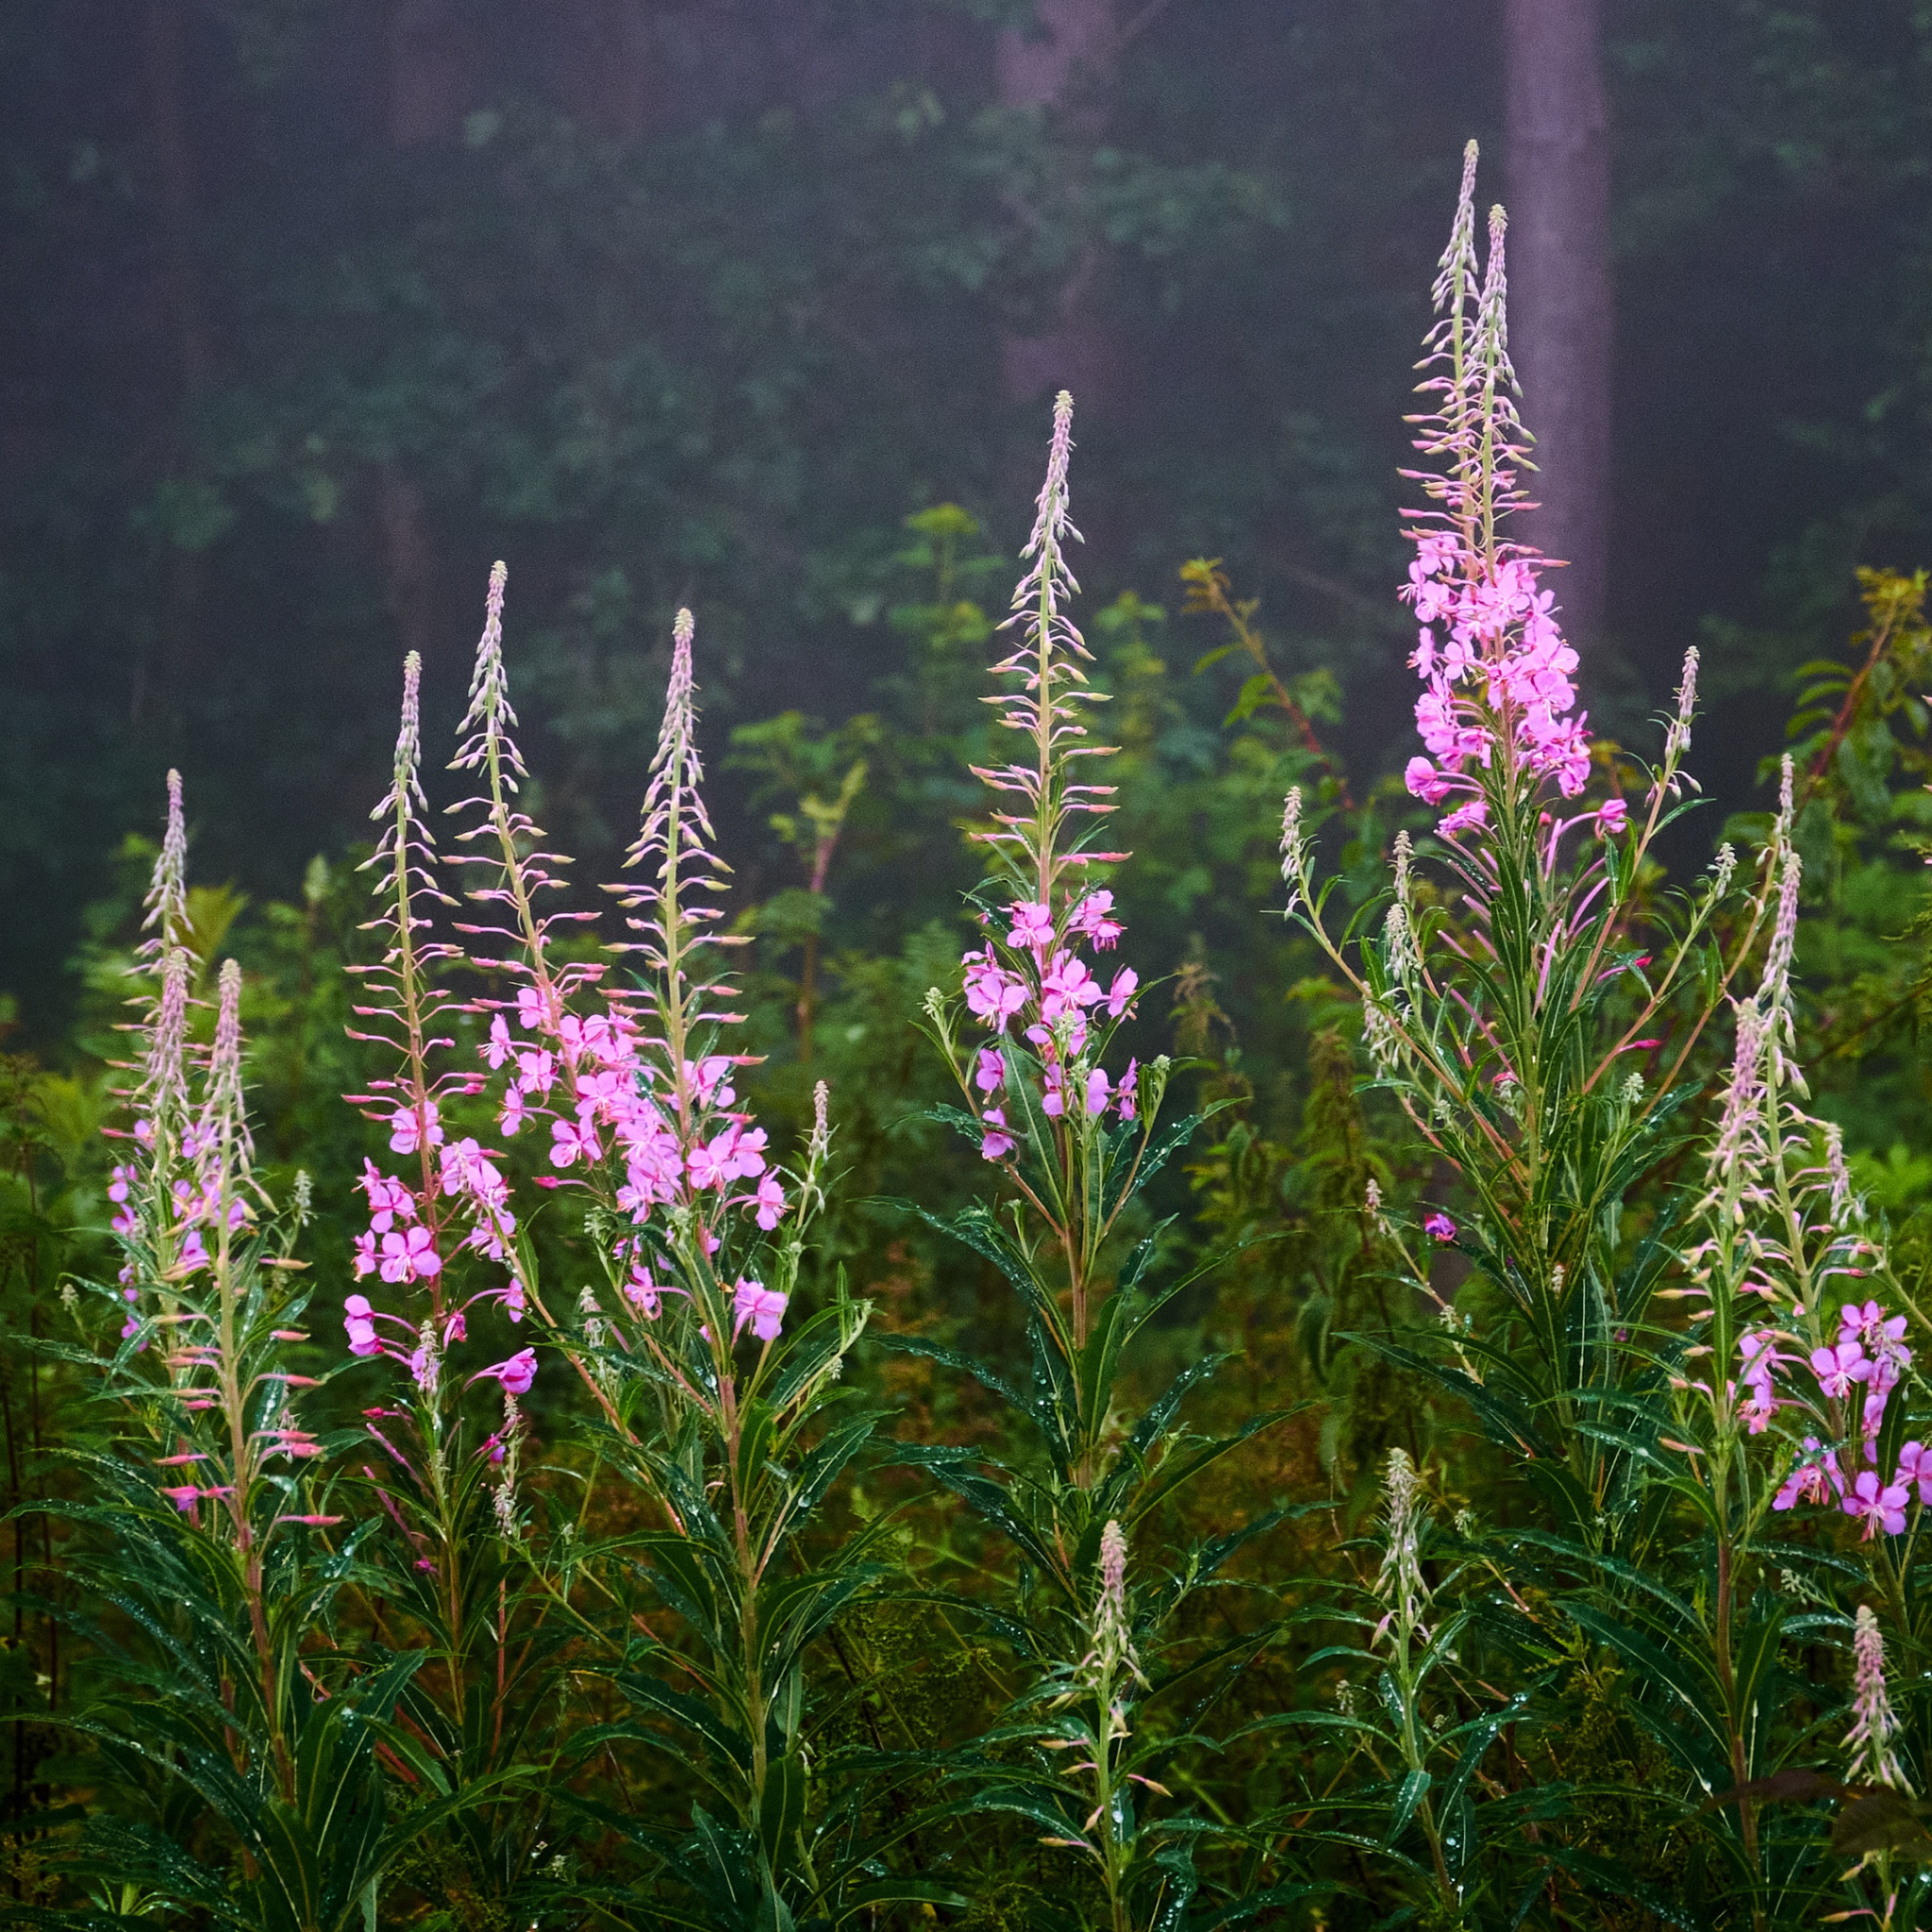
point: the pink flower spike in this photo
(1440, 1227)
(515, 1375)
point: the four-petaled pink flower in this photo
(1032, 928)
(1097, 1086)
(991, 1074)
(1878, 1506)
(409, 1255)
(762, 1307)
(1067, 987)
(1838, 1368)
(993, 994)
(407, 1130)
(568, 1140)
(997, 1143)
(388, 1199)
(1124, 983)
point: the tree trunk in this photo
(1068, 71)
(604, 59)
(430, 69)
(159, 673)
(1558, 169)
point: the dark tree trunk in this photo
(431, 68)
(605, 60)
(1559, 169)
(158, 674)
(1068, 71)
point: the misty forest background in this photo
(313, 311)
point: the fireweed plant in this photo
(1703, 1409)
(249, 1789)
(534, 1583)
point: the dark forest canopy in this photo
(315, 306)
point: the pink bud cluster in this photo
(1035, 980)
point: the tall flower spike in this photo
(166, 893)
(224, 1116)
(512, 841)
(162, 1096)
(1868, 1743)
(489, 716)
(1400, 1579)
(683, 877)
(1044, 702)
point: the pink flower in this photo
(1425, 781)
(1915, 1466)
(1612, 816)
(1067, 987)
(514, 1112)
(499, 1046)
(997, 1142)
(1090, 920)
(529, 1010)
(568, 1140)
(365, 1255)
(1440, 1227)
(182, 1498)
(993, 995)
(1838, 1368)
(771, 1203)
(1473, 812)
(991, 1074)
(516, 1374)
(513, 1299)
(762, 1307)
(536, 1072)
(1880, 1508)
(409, 1255)
(408, 1131)
(358, 1318)
(1032, 928)
(1126, 1095)
(1121, 991)
(1097, 1092)
(643, 1293)
(1806, 1484)
(194, 1251)
(388, 1199)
